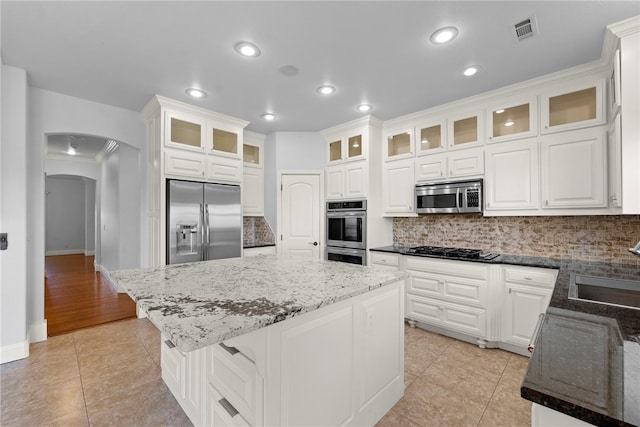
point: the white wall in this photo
(128, 212)
(89, 216)
(65, 215)
(288, 151)
(51, 112)
(13, 215)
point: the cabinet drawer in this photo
(385, 259)
(173, 363)
(236, 377)
(531, 276)
(224, 169)
(450, 268)
(456, 289)
(468, 320)
(221, 411)
(184, 164)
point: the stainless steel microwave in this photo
(449, 197)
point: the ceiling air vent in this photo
(526, 29)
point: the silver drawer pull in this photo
(169, 344)
(228, 407)
(536, 332)
(230, 350)
(528, 278)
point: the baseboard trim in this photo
(89, 253)
(38, 331)
(107, 275)
(12, 352)
(65, 252)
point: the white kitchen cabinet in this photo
(465, 130)
(573, 168)
(398, 144)
(453, 295)
(183, 373)
(261, 250)
(431, 136)
(614, 149)
(573, 105)
(252, 192)
(220, 412)
(385, 260)
(398, 187)
(513, 119)
(511, 179)
(184, 131)
(348, 145)
(180, 163)
(224, 141)
(347, 181)
(431, 168)
(466, 163)
(527, 293)
(541, 416)
(223, 169)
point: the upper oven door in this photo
(437, 199)
(347, 229)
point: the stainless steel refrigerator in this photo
(204, 221)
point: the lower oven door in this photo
(348, 255)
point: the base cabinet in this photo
(541, 416)
(341, 365)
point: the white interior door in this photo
(300, 215)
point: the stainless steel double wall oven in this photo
(347, 231)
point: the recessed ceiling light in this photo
(425, 141)
(326, 90)
(269, 116)
(471, 70)
(499, 111)
(444, 35)
(247, 49)
(363, 108)
(196, 93)
(508, 123)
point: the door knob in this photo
(314, 243)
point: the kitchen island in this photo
(276, 341)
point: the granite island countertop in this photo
(586, 362)
(203, 303)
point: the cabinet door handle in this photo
(230, 350)
(228, 407)
(169, 344)
(536, 332)
(509, 290)
(528, 278)
(546, 203)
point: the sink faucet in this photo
(636, 249)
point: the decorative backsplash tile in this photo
(256, 231)
(591, 238)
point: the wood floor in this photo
(77, 297)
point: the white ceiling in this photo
(87, 147)
(122, 53)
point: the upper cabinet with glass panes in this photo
(398, 143)
(573, 106)
(465, 130)
(513, 120)
(253, 149)
(185, 131)
(347, 147)
(430, 137)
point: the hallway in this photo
(77, 297)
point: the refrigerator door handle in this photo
(206, 230)
(203, 235)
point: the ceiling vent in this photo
(526, 29)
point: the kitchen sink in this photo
(625, 293)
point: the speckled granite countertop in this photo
(586, 362)
(202, 303)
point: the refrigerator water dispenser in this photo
(187, 239)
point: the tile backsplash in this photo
(256, 231)
(592, 238)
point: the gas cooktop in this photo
(459, 253)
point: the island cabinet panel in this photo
(322, 396)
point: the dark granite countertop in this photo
(586, 361)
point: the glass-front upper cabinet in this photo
(465, 130)
(184, 131)
(573, 107)
(513, 120)
(224, 142)
(253, 149)
(349, 147)
(430, 137)
(398, 144)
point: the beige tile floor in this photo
(110, 375)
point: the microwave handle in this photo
(459, 199)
